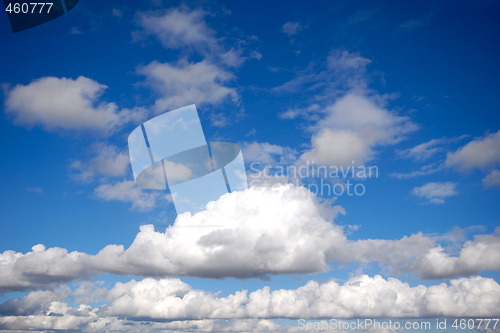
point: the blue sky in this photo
(410, 89)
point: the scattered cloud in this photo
(425, 170)
(107, 161)
(435, 192)
(291, 28)
(307, 112)
(268, 154)
(66, 104)
(344, 61)
(184, 83)
(423, 151)
(76, 31)
(35, 189)
(481, 153)
(353, 126)
(426, 150)
(128, 191)
(417, 23)
(343, 71)
(117, 12)
(492, 179)
(349, 121)
(181, 28)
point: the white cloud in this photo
(172, 304)
(361, 296)
(256, 232)
(35, 302)
(353, 127)
(480, 252)
(345, 61)
(425, 170)
(291, 28)
(186, 83)
(492, 179)
(481, 153)
(341, 147)
(423, 151)
(181, 28)
(435, 192)
(414, 24)
(128, 191)
(106, 161)
(177, 28)
(349, 121)
(62, 103)
(426, 150)
(268, 154)
(308, 112)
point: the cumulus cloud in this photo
(348, 121)
(435, 192)
(353, 127)
(184, 83)
(257, 232)
(156, 301)
(479, 253)
(361, 296)
(481, 153)
(65, 104)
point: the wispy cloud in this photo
(417, 23)
(182, 28)
(435, 192)
(36, 189)
(127, 191)
(291, 28)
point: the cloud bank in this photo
(257, 232)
